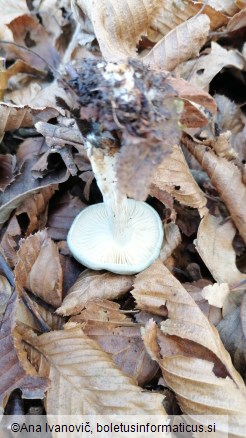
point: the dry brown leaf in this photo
(207, 66)
(38, 268)
(200, 387)
(12, 374)
(84, 379)
(118, 336)
(217, 251)
(174, 177)
(172, 238)
(118, 26)
(227, 180)
(62, 214)
(233, 336)
(35, 208)
(182, 43)
(93, 285)
(222, 146)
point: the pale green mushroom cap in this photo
(98, 242)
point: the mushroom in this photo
(120, 235)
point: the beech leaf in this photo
(84, 379)
(182, 43)
(94, 285)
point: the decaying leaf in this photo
(174, 177)
(84, 379)
(93, 285)
(118, 26)
(227, 179)
(118, 336)
(38, 268)
(182, 43)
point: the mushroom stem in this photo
(103, 166)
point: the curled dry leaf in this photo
(207, 66)
(84, 379)
(118, 26)
(118, 336)
(12, 374)
(182, 43)
(174, 177)
(38, 268)
(93, 285)
(172, 238)
(227, 180)
(217, 252)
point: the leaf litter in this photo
(160, 87)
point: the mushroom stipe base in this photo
(94, 243)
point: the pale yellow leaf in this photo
(118, 25)
(207, 66)
(216, 293)
(173, 176)
(214, 244)
(94, 285)
(84, 379)
(182, 43)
